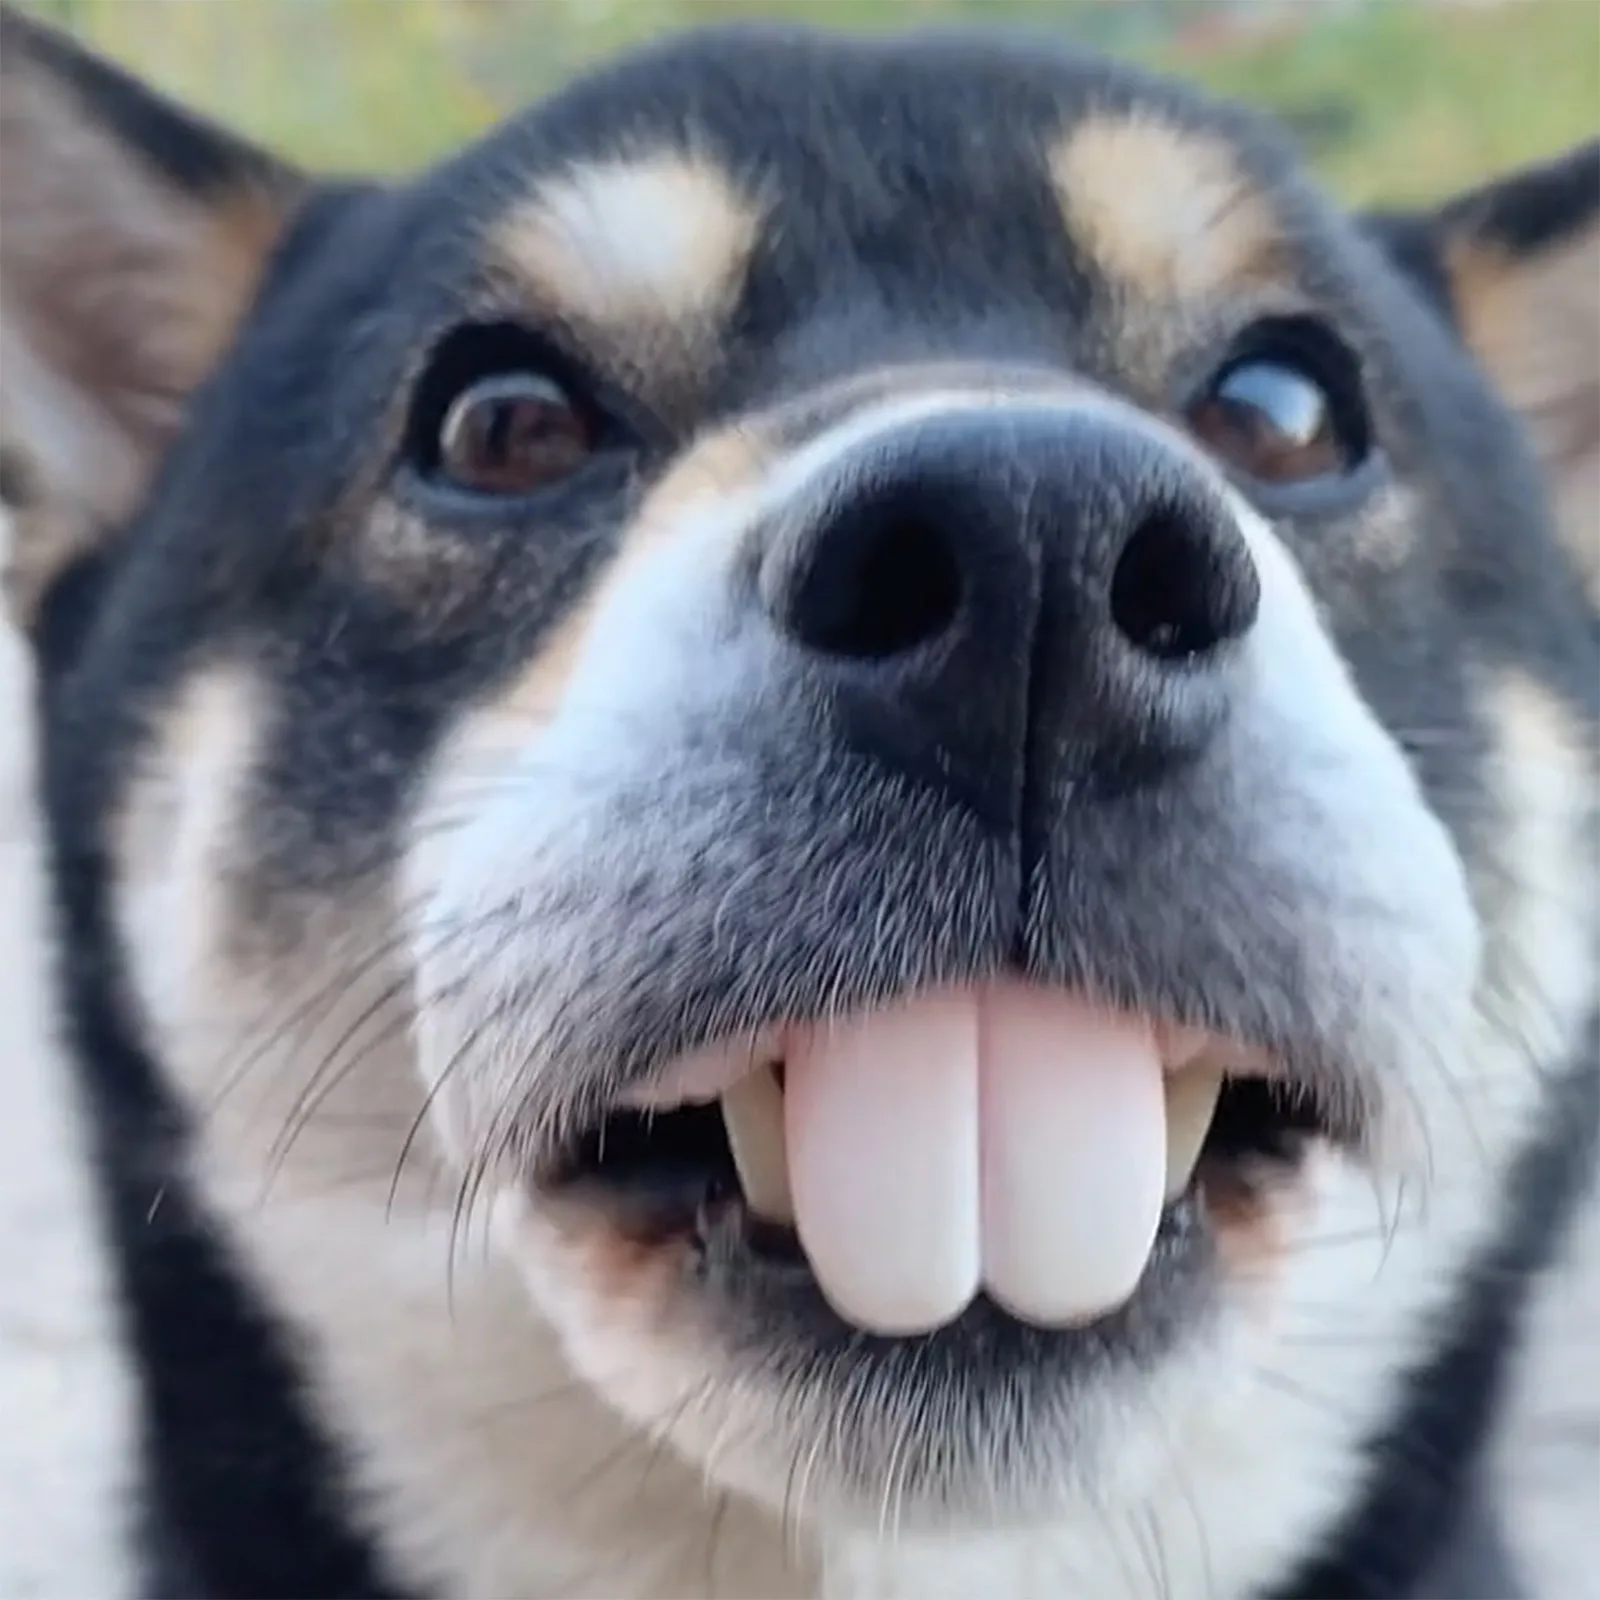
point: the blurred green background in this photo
(1396, 99)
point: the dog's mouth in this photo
(1006, 1142)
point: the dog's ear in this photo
(1516, 267)
(132, 238)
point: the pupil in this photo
(502, 419)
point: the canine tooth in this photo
(1179, 1044)
(752, 1111)
(700, 1077)
(1191, 1104)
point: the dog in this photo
(656, 739)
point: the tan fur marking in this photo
(174, 840)
(433, 572)
(1385, 534)
(212, 714)
(661, 238)
(1542, 915)
(721, 466)
(1535, 888)
(1166, 212)
(1256, 1220)
(621, 1259)
(1534, 325)
(273, 1041)
(724, 465)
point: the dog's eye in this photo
(498, 414)
(512, 434)
(1285, 412)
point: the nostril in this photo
(881, 580)
(1180, 591)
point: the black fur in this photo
(1547, 205)
(244, 1492)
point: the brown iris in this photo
(512, 434)
(1272, 421)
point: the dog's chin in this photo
(705, 1325)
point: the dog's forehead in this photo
(781, 171)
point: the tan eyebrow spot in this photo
(1165, 211)
(661, 237)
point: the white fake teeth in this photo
(1012, 1140)
(882, 1122)
(1073, 1139)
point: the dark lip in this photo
(723, 1238)
(789, 1309)
(660, 1205)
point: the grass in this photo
(1436, 101)
(1413, 100)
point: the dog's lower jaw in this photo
(549, 1487)
(491, 1466)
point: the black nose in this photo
(988, 588)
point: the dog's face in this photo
(891, 712)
